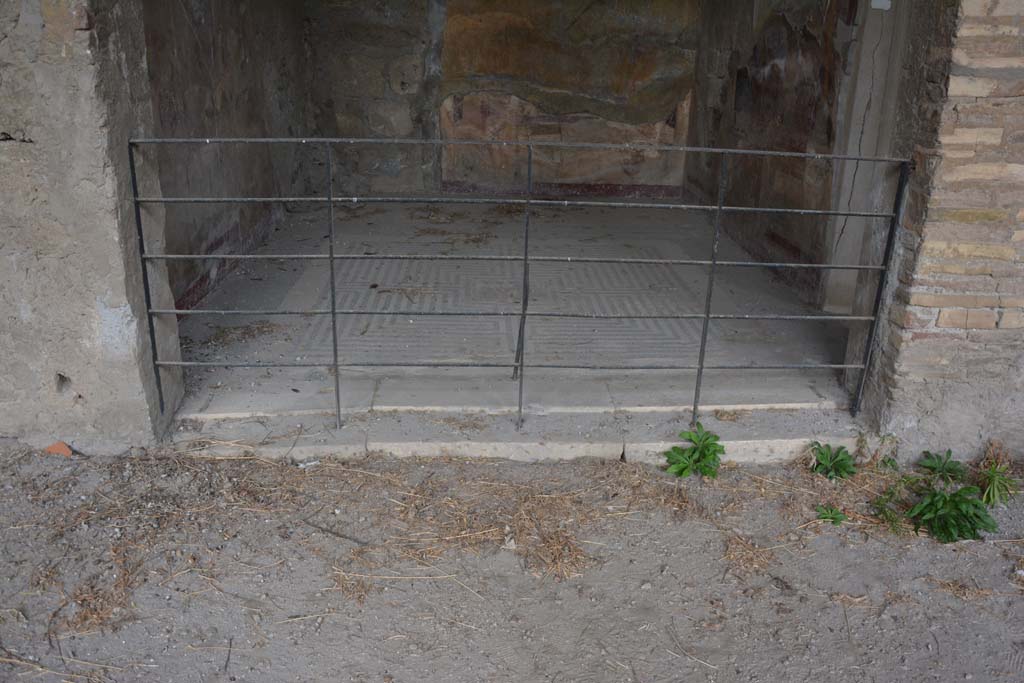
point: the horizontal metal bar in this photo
(507, 314)
(324, 257)
(238, 311)
(698, 262)
(486, 257)
(513, 202)
(228, 364)
(795, 366)
(226, 200)
(640, 261)
(514, 143)
(773, 316)
(244, 257)
(777, 264)
(424, 257)
(548, 366)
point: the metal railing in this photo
(518, 364)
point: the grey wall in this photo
(233, 68)
(74, 363)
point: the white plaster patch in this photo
(115, 334)
(24, 311)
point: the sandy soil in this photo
(177, 567)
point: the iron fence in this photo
(518, 363)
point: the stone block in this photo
(911, 317)
(979, 215)
(967, 250)
(992, 8)
(952, 317)
(957, 284)
(963, 58)
(973, 136)
(981, 319)
(1002, 172)
(1012, 319)
(971, 86)
(967, 318)
(1001, 344)
(986, 233)
(987, 30)
(932, 300)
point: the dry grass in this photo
(101, 601)
(411, 522)
(803, 490)
(745, 557)
(226, 335)
(961, 590)
(541, 524)
(390, 520)
(464, 423)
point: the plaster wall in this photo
(769, 77)
(75, 356)
(465, 69)
(231, 69)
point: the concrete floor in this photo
(233, 393)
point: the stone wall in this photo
(573, 71)
(466, 69)
(75, 361)
(231, 69)
(952, 370)
(768, 77)
(375, 72)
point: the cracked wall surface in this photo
(75, 356)
(769, 77)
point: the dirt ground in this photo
(175, 566)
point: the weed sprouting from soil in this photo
(995, 477)
(942, 467)
(831, 514)
(702, 456)
(832, 463)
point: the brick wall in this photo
(955, 340)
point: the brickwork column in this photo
(955, 341)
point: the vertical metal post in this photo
(723, 180)
(144, 264)
(334, 294)
(521, 345)
(883, 278)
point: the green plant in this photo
(891, 505)
(997, 486)
(952, 516)
(833, 463)
(890, 463)
(701, 456)
(942, 467)
(831, 514)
